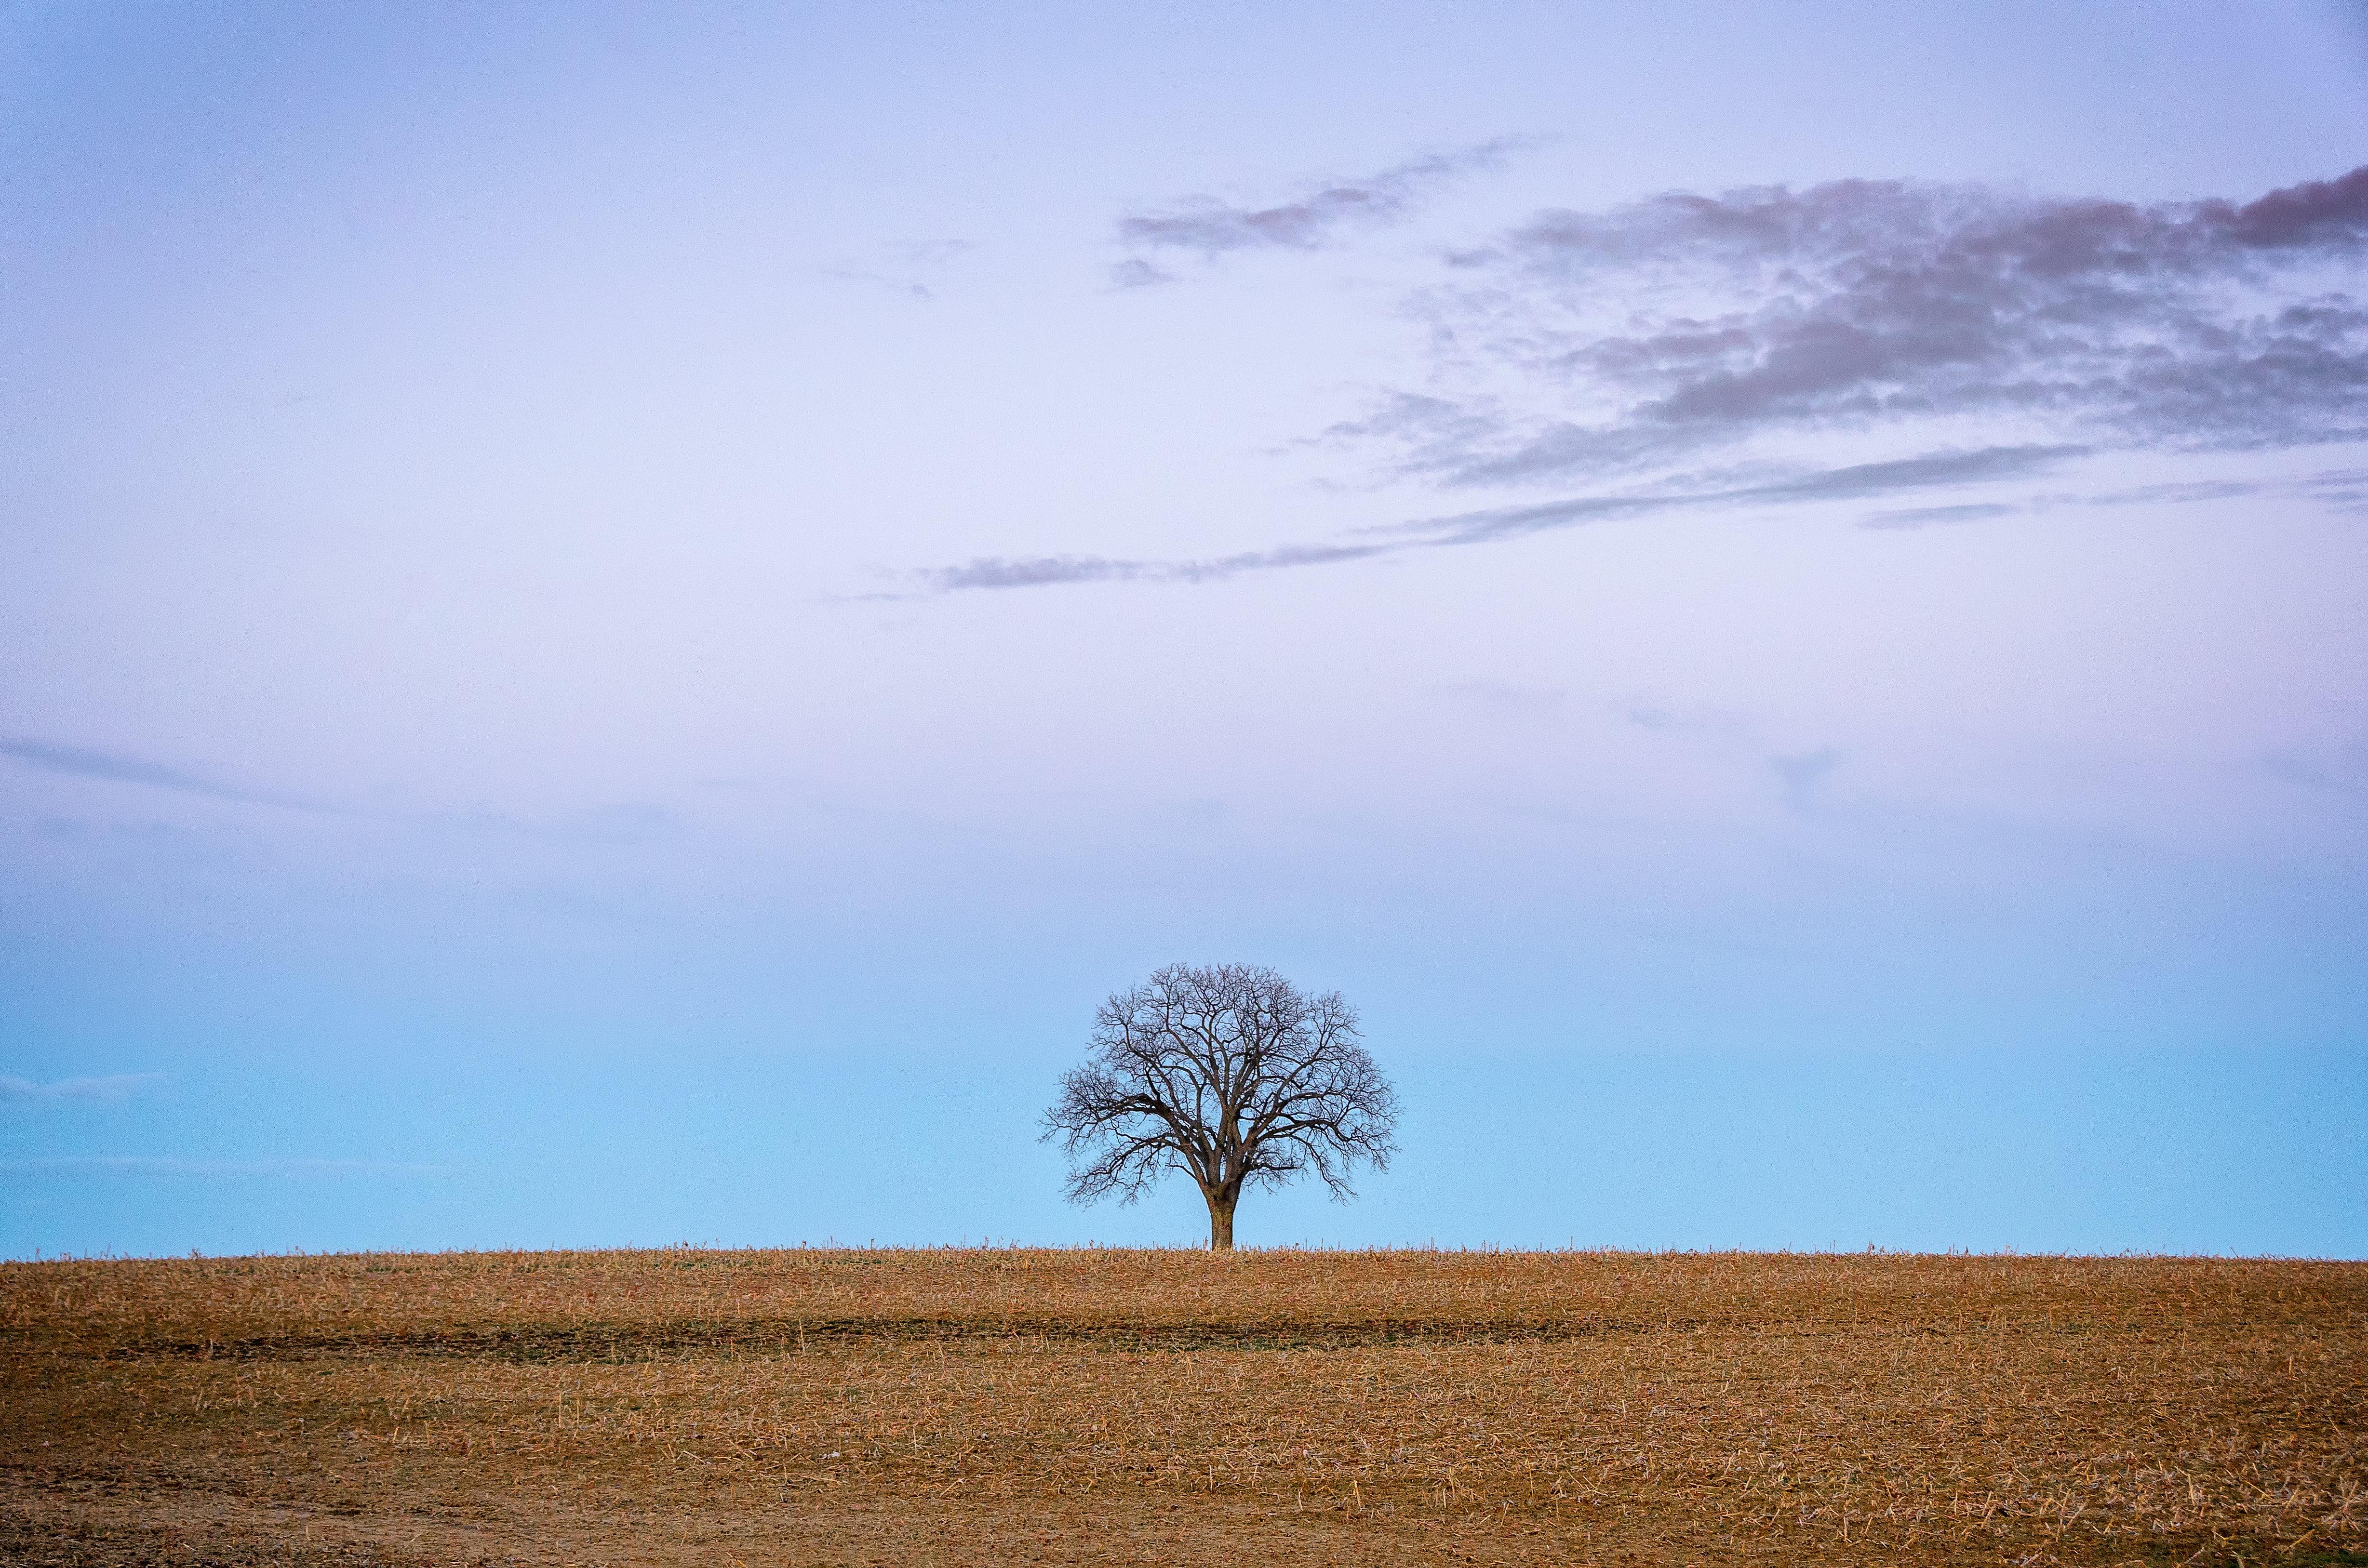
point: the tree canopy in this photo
(1230, 1074)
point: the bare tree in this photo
(1229, 1075)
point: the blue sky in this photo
(616, 621)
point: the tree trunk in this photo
(1221, 1220)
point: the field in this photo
(1287, 1407)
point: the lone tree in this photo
(1230, 1074)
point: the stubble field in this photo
(814, 1406)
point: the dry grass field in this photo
(742, 1408)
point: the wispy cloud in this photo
(1323, 214)
(142, 1165)
(619, 824)
(1853, 482)
(114, 1087)
(1504, 696)
(114, 767)
(2339, 490)
(1803, 774)
(2340, 768)
(1926, 516)
(1850, 483)
(2334, 490)
(1037, 572)
(901, 268)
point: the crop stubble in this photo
(999, 1405)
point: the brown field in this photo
(1286, 1407)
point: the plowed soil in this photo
(1087, 1406)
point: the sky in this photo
(616, 620)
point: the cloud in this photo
(2337, 489)
(898, 265)
(1803, 776)
(1852, 481)
(114, 1087)
(623, 823)
(1001, 571)
(2341, 489)
(2338, 770)
(1320, 217)
(141, 1164)
(1925, 516)
(1951, 467)
(1136, 273)
(1621, 350)
(115, 768)
(1655, 719)
(1656, 330)
(1848, 483)
(1504, 696)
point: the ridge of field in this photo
(1095, 1404)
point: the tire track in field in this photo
(604, 1342)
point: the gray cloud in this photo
(116, 768)
(2338, 490)
(999, 571)
(1951, 467)
(1136, 273)
(1688, 321)
(114, 1087)
(1854, 482)
(1208, 227)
